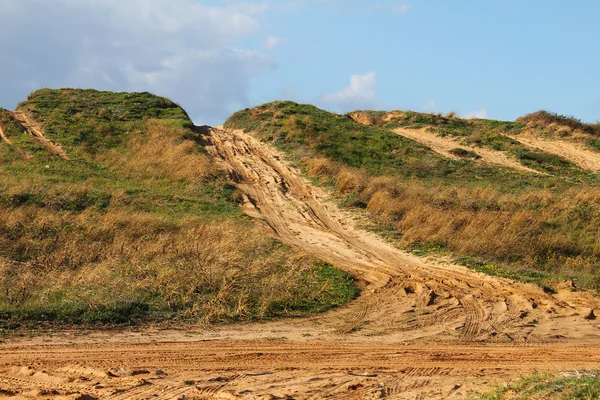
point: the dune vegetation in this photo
(527, 226)
(138, 224)
(582, 385)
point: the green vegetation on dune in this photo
(138, 225)
(514, 222)
(486, 133)
(93, 121)
(308, 130)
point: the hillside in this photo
(112, 212)
(536, 219)
(422, 326)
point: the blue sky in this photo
(495, 59)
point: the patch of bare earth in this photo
(420, 328)
(569, 150)
(3, 136)
(29, 125)
(443, 145)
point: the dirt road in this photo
(420, 328)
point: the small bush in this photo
(463, 153)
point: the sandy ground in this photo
(29, 125)
(3, 136)
(443, 145)
(420, 329)
(571, 151)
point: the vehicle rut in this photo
(402, 292)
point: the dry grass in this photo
(162, 151)
(139, 226)
(562, 125)
(201, 270)
(537, 228)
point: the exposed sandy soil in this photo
(3, 136)
(443, 145)
(420, 329)
(29, 125)
(571, 151)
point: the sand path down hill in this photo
(3, 136)
(29, 125)
(420, 328)
(574, 152)
(443, 145)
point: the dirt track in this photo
(424, 328)
(443, 145)
(3, 137)
(29, 125)
(571, 151)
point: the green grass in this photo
(318, 289)
(542, 279)
(90, 121)
(594, 144)
(307, 129)
(127, 211)
(583, 386)
(491, 134)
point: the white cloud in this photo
(401, 8)
(359, 94)
(181, 49)
(273, 41)
(481, 113)
(429, 106)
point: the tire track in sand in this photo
(302, 218)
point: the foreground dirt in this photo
(420, 329)
(272, 370)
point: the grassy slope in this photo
(137, 225)
(547, 223)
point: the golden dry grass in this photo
(537, 229)
(210, 271)
(163, 152)
(561, 125)
(148, 229)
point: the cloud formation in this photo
(481, 113)
(176, 48)
(359, 94)
(273, 41)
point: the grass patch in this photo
(594, 144)
(541, 279)
(584, 386)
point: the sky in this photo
(485, 59)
